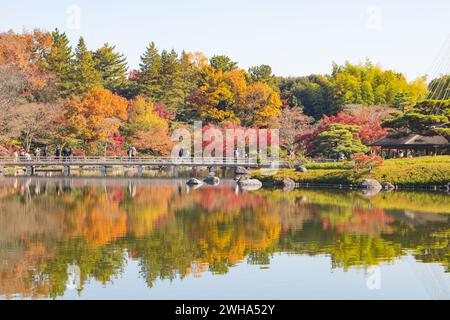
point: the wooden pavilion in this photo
(409, 144)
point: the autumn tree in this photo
(112, 67)
(34, 122)
(293, 123)
(261, 105)
(339, 138)
(146, 130)
(26, 53)
(213, 101)
(370, 129)
(12, 84)
(95, 116)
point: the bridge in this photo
(65, 164)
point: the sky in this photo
(294, 37)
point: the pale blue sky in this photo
(294, 37)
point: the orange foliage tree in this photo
(95, 116)
(26, 53)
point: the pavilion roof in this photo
(411, 140)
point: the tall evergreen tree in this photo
(112, 66)
(59, 61)
(149, 73)
(223, 63)
(188, 77)
(86, 76)
(171, 80)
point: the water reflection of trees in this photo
(46, 225)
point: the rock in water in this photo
(246, 183)
(371, 184)
(288, 184)
(194, 182)
(212, 180)
(387, 186)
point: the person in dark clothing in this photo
(64, 153)
(44, 152)
(57, 153)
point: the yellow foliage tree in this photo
(213, 100)
(147, 131)
(261, 105)
(228, 97)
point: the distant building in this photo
(424, 145)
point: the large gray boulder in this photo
(194, 182)
(246, 183)
(371, 184)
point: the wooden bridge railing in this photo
(126, 161)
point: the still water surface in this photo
(81, 238)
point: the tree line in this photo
(51, 93)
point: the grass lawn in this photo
(423, 171)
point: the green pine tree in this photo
(339, 138)
(59, 61)
(188, 76)
(149, 73)
(112, 67)
(172, 81)
(222, 62)
(86, 75)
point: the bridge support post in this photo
(175, 171)
(140, 171)
(104, 171)
(224, 172)
(66, 170)
(30, 170)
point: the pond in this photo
(126, 238)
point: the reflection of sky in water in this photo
(137, 236)
(289, 277)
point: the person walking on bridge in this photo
(57, 153)
(37, 154)
(44, 152)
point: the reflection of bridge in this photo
(67, 163)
